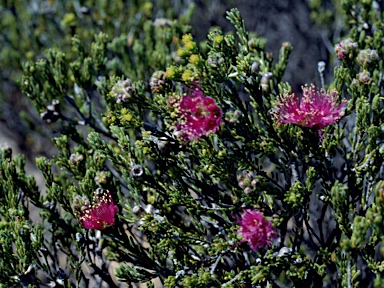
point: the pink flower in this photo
(98, 216)
(317, 109)
(199, 115)
(256, 229)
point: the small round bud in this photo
(255, 67)
(76, 158)
(265, 79)
(137, 171)
(364, 77)
(247, 190)
(137, 210)
(101, 177)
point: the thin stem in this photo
(321, 68)
(87, 120)
(233, 279)
(349, 274)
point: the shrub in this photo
(208, 172)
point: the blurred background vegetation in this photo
(28, 28)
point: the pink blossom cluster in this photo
(367, 56)
(317, 108)
(344, 48)
(100, 214)
(256, 229)
(199, 115)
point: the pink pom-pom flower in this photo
(256, 229)
(98, 216)
(199, 115)
(317, 108)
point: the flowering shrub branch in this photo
(197, 176)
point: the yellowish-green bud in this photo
(146, 150)
(151, 199)
(187, 75)
(190, 47)
(186, 38)
(222, 153)
(146, 134)
(147, 8)
(194, 59)
(139, 143)
(111, 94)
(218, 39)
(182, 53)
(127, 117)
(170, 72)
(117, 150)
(69, 19)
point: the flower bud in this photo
(255, 67)
(157, 80)
(137, 171)
(123, 90)
(76, 158)
(101, 177)
(364, 77)
(264, 81)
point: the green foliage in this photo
(20, 240)
(117, 107)
(30, 28)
